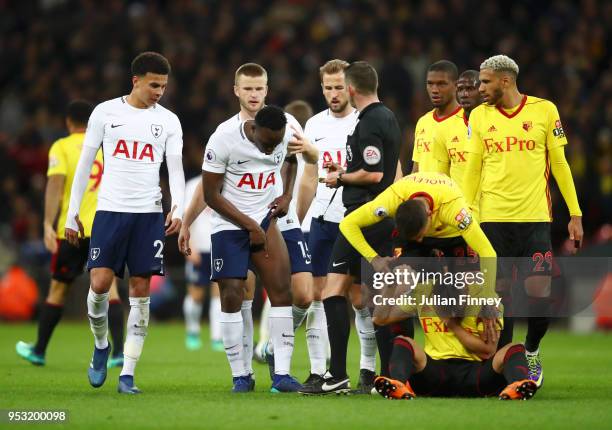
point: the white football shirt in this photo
(250, 176)
(328, 133)
(200, 229)
(133, 142)
(290, 220)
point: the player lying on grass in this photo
(459, 357)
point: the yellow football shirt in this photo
(448, 208)
(440, 342)
(426, 137)
(63, 159)
(447, 205)
(449, 154)
(514, 150)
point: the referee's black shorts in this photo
(69, 261)
(346, 260)
(457, 378)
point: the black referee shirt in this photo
(374, 147)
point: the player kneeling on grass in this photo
(459, 357)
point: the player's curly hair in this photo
(271, 117)
(150, 62)
(501, 63)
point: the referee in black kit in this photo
(372, 152)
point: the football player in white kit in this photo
(240, 171)
(251, 88)
(197, 273)
(328, 131)
(135, 132)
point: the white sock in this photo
(231, 331)
(214, 316)
(192, 311)
(298, 316)
(97, 311)
(316, 342)
(282, 337)
(137, 325)
(264, 324)
(247, 334)
(367, 338)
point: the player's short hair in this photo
(501, 63)
(410, 218)
(445, 66)
(78, 111)
(252, 70)
(150, 62)
(332, 67)
(271, 117)
(301, 110)
(470, 74)
(362, 76)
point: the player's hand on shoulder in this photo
(300, 144)
(73, 230)
(173, 225)
(183, 240)
(50, 238)
(280, 206)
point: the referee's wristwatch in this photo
(339, 182)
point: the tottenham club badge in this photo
(156, 129)
(278, 157)
(218, 264)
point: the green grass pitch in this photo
(191, 390)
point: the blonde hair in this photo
(252, 70)
(332, 67)
(501, 63)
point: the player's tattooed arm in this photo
(213, 184)
(280, 206)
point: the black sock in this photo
(515, 364)
(384, 339)
(505, 337)
(338, 329)
(538, 322)
(401, 364)
(50, 315)
(115, 325)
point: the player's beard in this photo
(496, 97)
(339, 108)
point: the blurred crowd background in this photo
(54, 51)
